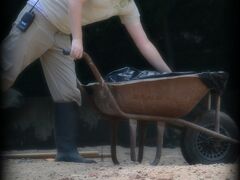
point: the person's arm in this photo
(146, 47)
(75, 19)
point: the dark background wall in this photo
(192, 35)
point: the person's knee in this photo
(6, 84)
(67, 96)
(11, 99)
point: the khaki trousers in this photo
(42, 40)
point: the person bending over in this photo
(47, 35)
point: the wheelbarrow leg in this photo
(217, 111)
(133, 132)
(142, 136)
(114, 141)
(160, 132)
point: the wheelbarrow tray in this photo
(162, 99)
(165, 96)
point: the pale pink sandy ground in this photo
(171, 167)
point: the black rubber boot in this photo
(66, 133)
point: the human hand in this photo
(76, 49)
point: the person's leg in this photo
(59, 71)
(19, 49)
(61, 78)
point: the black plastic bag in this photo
(130, 73)
(216, 81)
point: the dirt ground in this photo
(171, 167)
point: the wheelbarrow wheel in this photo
(198, 148)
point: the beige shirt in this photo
(56, 11)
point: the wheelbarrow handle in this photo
(104, 87)
(93, 68)
(91, 65)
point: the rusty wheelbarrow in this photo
(211, 138)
